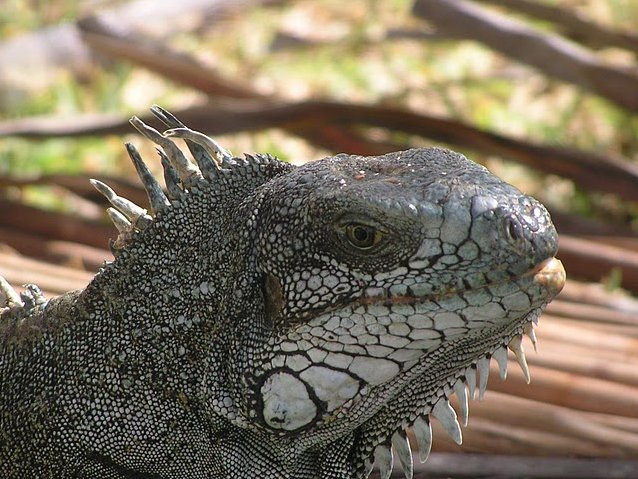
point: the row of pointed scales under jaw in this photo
(472, 381)
(180, 173)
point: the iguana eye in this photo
(363, 236)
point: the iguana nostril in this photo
(514, 229)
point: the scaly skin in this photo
(272, 321)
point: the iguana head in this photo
(390, 281)
(355, 294)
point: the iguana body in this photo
(275, 321)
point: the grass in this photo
(462, 80)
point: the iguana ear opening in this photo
(273, 298)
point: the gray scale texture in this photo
(243, 334)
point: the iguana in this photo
(272, 321)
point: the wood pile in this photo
(583, 399)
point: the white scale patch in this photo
(287, 404)
(332, 386)
(374, 371)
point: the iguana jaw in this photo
(386, 431)
(344, 355)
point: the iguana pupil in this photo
(272, 321)
(363, 236)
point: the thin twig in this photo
(551, 54)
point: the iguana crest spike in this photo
(173, 183)
(187, 171)
(211, 147)
(206, 162)
(120, 221)
(156, 196)
(275, 321)
(132, 212)
(9, 298)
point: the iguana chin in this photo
(273, 321)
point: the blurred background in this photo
(542, 92)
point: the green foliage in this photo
(17, 16)
(349, 59)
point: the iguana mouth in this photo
(549, 273)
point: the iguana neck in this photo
(166, 287)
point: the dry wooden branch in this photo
(572, 390)
(589, 312)
(54, 225)
(551, 54)
(595, 260)
(474, 466)
(497, 437)
(572, 25)
(36, 57)
(575, 333)
(309, 119)
(596, 294)
(52, 279)
(80, 186)
(108, 37)
(560, 357)
(577, 225)
(65, 253)
(326, 124)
